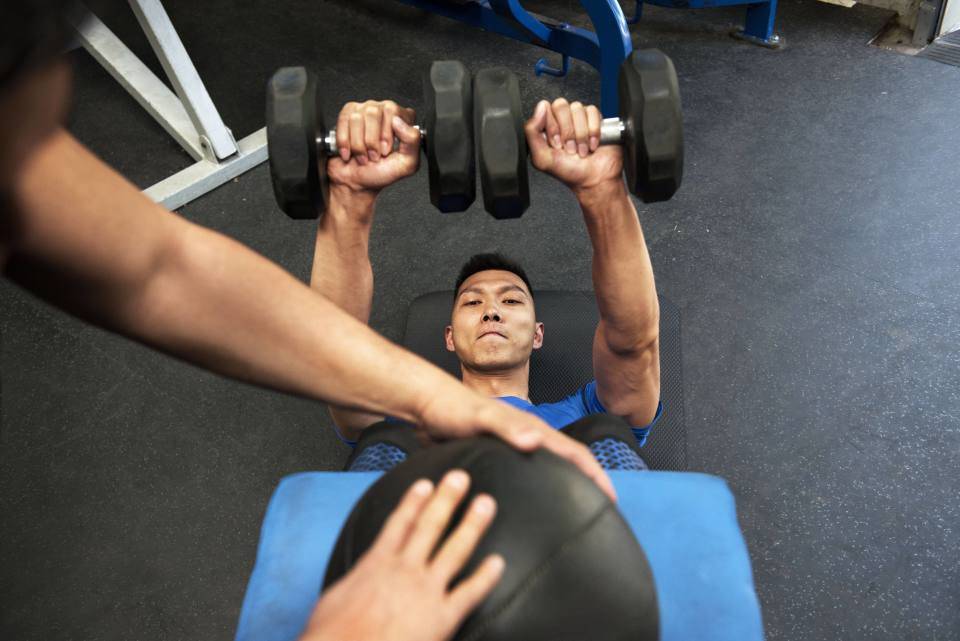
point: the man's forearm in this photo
(622, 274)
(341, 262)
(91, 243)
(342, 272)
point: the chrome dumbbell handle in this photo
(328, 144)
(611, 131)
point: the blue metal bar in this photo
(543, 67)
(697, 4)
(604, 50)
(511, 11)
(611, 26)
(759, 20)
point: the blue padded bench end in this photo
(686, 523)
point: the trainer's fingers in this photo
(561, 109)
(398, 525)
(435, 517)
(578, 454)
(458, 547)
(594, 120)
(519, 429)
(474, 589)
(371, 129)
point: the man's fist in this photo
(564, 141)
(367, 160)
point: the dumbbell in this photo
(299, 142)
(650, 128)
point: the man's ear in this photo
(448, 338)
(538, 336)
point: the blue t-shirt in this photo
(557, 415)
(581, 403)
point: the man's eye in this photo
(472, 302)
(512, 300)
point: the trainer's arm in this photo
(83, 238)
(342, 273)
(626, 346)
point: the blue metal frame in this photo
(604, 49)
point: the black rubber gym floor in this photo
(811, 251)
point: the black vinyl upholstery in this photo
(564, 363)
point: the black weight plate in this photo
(447, 118)
(294, 122)
(501, 143)
(653, 136)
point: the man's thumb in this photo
(405, 132)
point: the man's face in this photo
(493, 326)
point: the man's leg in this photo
(610, 440)
(382, 446)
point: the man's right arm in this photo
(342, 273)
(367, 162)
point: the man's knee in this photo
(610, 440)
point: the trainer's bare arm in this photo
(89, 242)
(564, 141)
(77, 234)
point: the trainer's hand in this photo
(460, 413)
(367, 160)
(400, 590)
(564, 141)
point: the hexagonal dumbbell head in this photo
(501, 143)
(294, 125)
(447, 119)
(653, 134)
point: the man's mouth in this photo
(492, 334)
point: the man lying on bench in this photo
(493, 328)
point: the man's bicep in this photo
(628, 383)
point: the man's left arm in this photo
(564, 142)
(626, 345)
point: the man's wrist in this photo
(350, 208)
(602, 193)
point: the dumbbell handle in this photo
(611, 131)
(328, 144)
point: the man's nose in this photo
(491, 315)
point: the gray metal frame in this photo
(188, 115)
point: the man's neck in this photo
(513, 382)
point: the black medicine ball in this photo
(574, 570)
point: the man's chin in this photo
(491, 365)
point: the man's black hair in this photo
(483, 262)
(33, 33)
